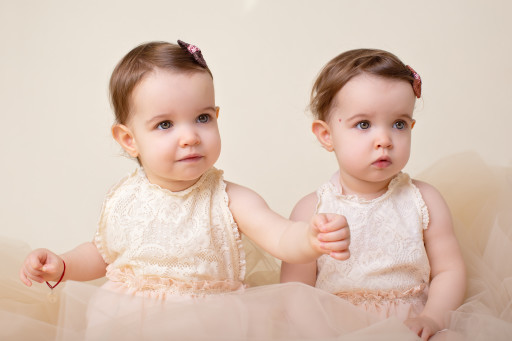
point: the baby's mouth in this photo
(191, 158)
(382, 162)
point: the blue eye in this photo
(203, 118)
(164, 125)
(363, 125)
(400, 125)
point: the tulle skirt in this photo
(479, 197)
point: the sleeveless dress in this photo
(388, 270)
(160, 243)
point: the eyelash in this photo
(203, 118)
(368, 125)
(358, 125)
(159, 126)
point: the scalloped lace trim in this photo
(422, 207)
(183, 193)
(355, 198)
(236, 231)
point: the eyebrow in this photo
(362, 116)
(157, 118)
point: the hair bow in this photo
(194, 51)
(416, 84)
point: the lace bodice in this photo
(171, 242)
(386, 244)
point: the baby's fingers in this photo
(318, 223)
(334, 236)
(414, 327)
(337, 249)
(39, 266)
(335, 246)
(426, 334)
(333, 222)
(422, 327)
(24, 278)
(30, 272)
(344, 255)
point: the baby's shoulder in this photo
(242, 195)
(428, 191)
(305, 208)
(308, 201)
(438, 209)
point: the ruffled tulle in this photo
(480, 199)
(479, 196)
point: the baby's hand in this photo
(332, 235)
(423, 326)
(41, 265)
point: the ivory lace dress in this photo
(162, 243)
(388, 270)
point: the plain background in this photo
(59, 160)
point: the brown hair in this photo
(140, 61)
(347, 65)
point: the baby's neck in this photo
(173, 185)
(363, 189)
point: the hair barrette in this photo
(194, 51)
(416, 84)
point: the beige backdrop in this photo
(56, 58)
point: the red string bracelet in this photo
(61, 277)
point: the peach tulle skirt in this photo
(479, 196)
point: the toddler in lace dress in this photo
(171, 228)
(404, 257)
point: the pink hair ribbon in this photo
(194, 51)
(416, 84)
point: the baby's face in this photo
(174, 126)
(370, 126)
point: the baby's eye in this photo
(203, 118)
(363, 125)
(400, 125)
(164, 125)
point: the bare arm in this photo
(294, 242)
(305, 273)
(448, 273)
(83, 263)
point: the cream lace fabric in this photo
(388, 259)
(164, 242)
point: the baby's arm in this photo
(448, 273)
(294, 242)
(83, 263)
(305, 273)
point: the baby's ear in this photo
(323, 134)
(124, 136)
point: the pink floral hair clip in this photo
(194, 51)
(416, 84)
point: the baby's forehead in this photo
(175, 72)
(365, 79)
(374, 96)
(365, 88)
